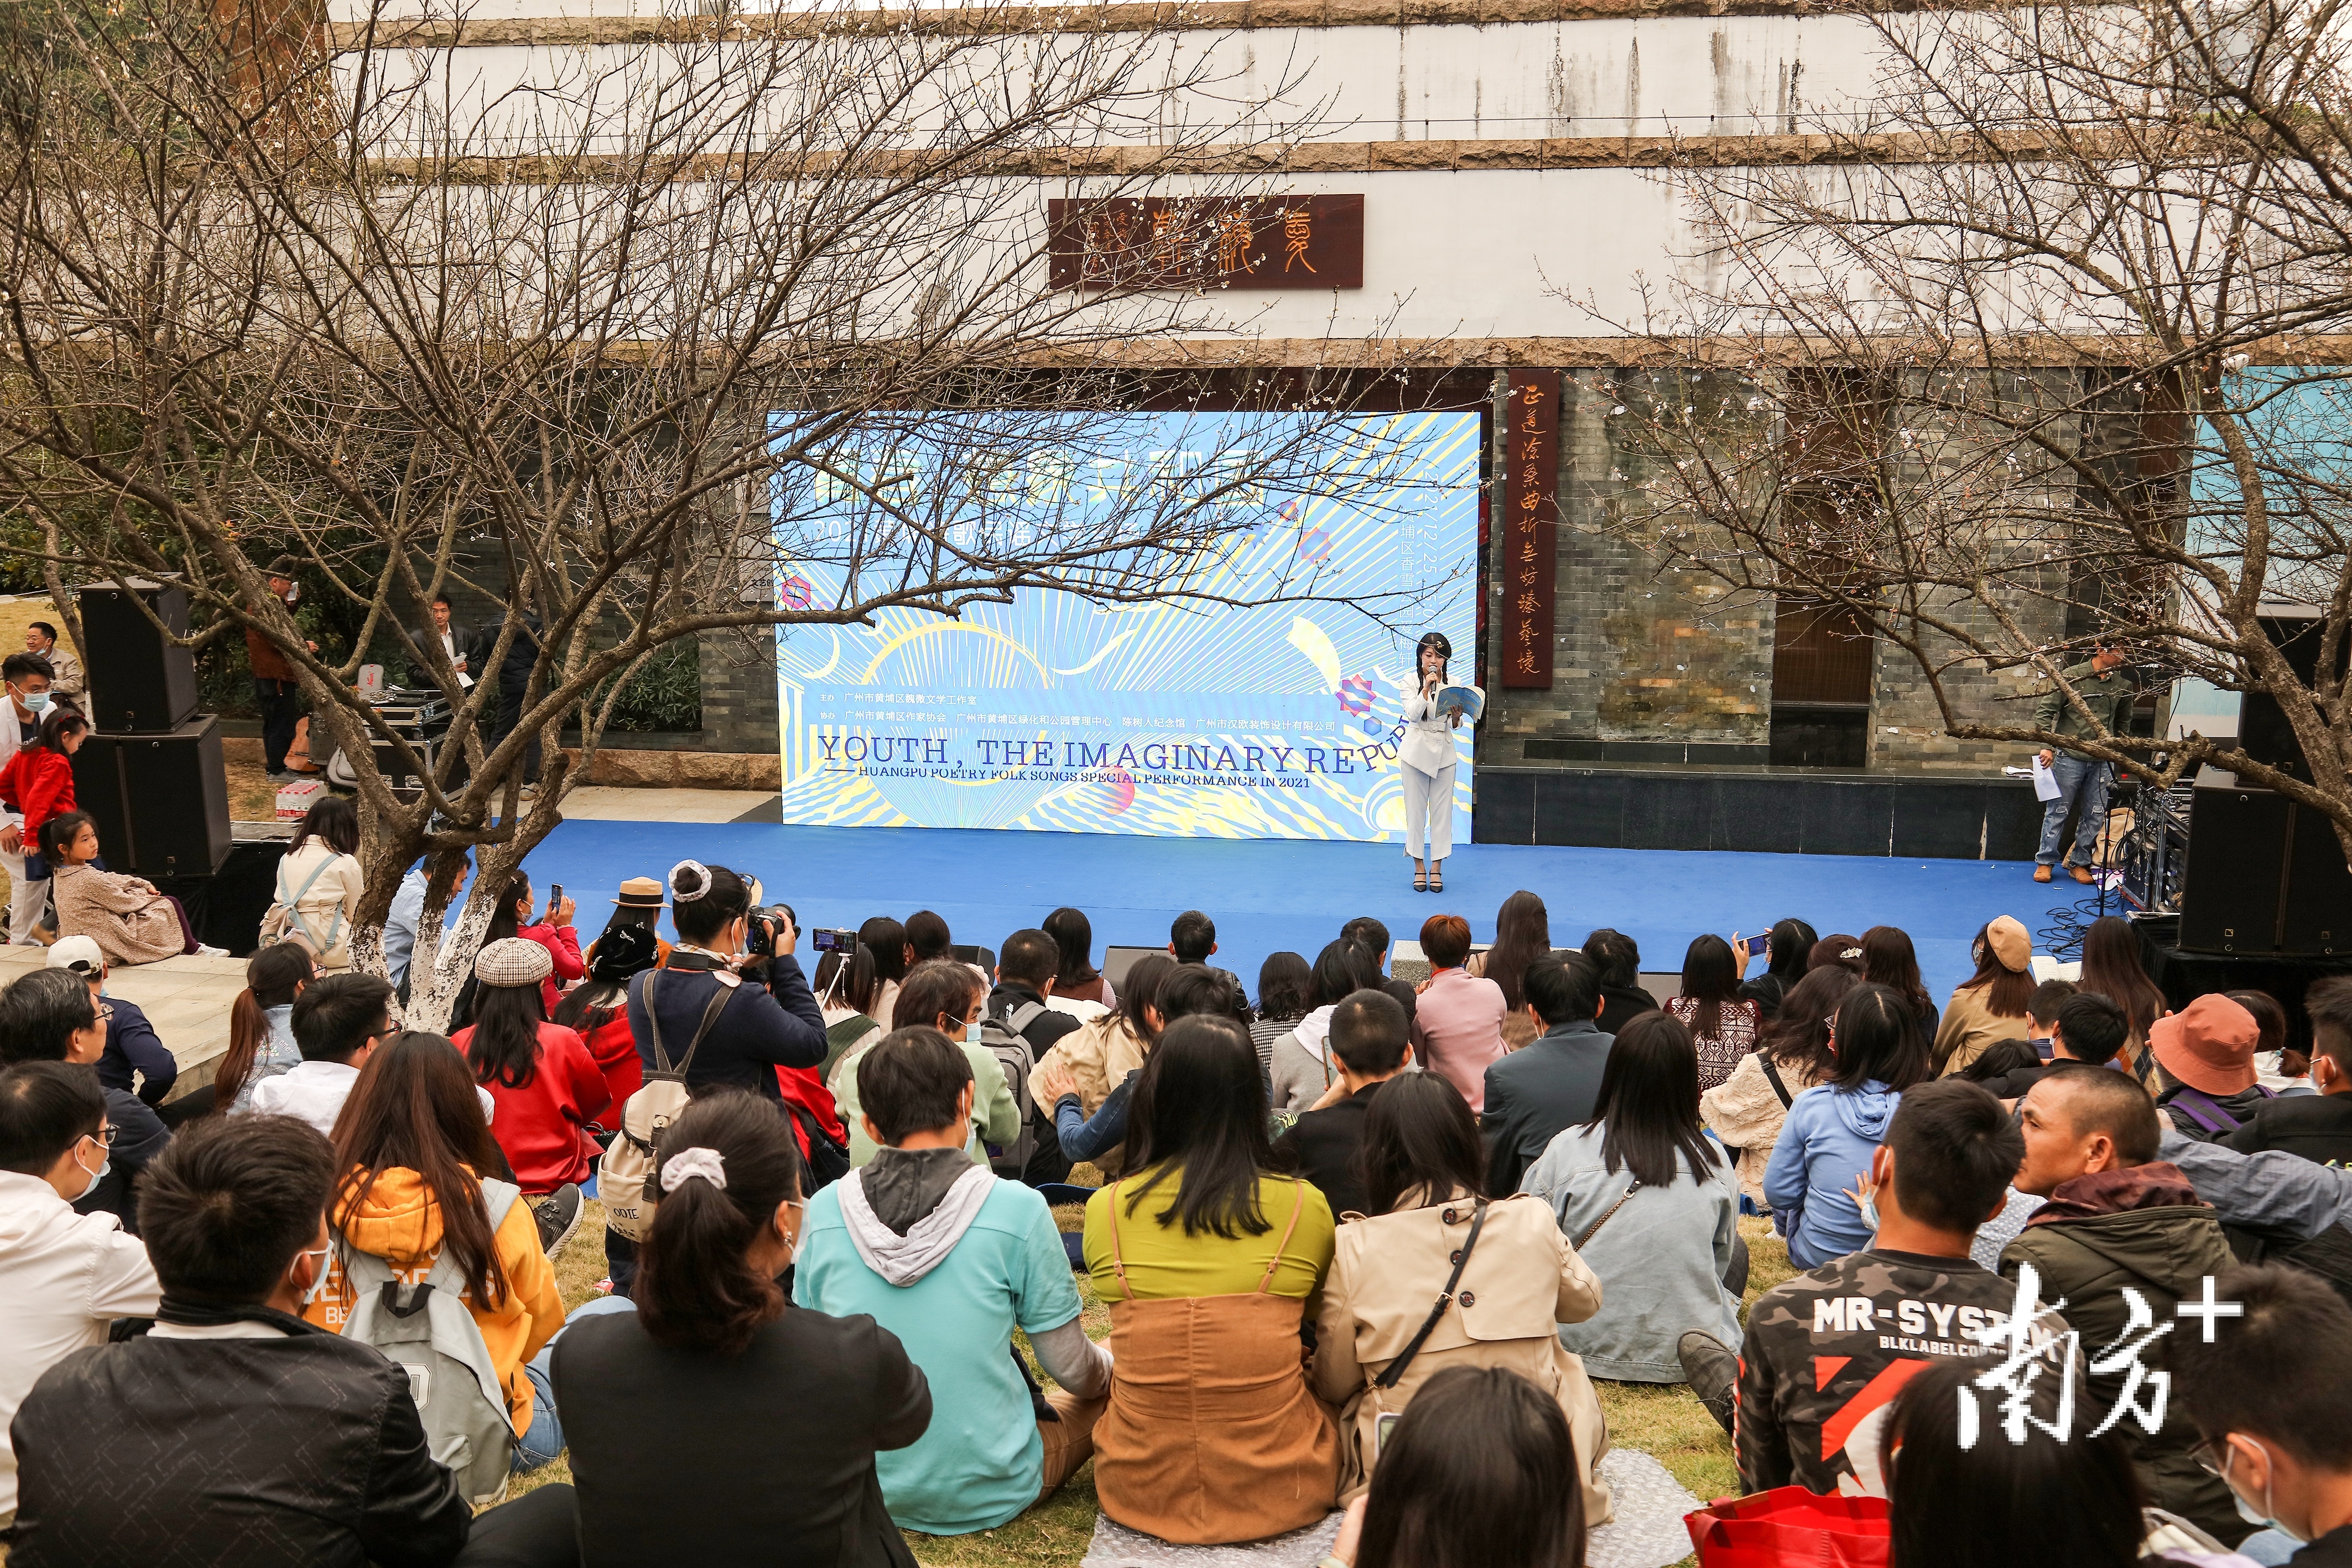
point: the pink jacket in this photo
(1457, 1030)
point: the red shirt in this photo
(615, 1051)
(539, 1126)
(563, 946)
(39, 783)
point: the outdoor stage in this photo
(1270, 895)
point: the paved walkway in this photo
(187, 999)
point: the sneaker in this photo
(558, 1214)
(1712, 1372)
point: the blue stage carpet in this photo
(1267, 895)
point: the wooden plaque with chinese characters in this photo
(1178, 242)
(1531, 519)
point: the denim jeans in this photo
(544, 1441)
(2083, 782)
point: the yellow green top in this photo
(1163, 1263)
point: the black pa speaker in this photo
(2263, 733)
(138, 680)
(2263, 874)
(161, 801)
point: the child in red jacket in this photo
(38, 782)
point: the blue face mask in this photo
(96, 1176)
(1870, 1214)
(36, 702)
(2255, 1516)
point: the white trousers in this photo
(1428, 811)
(28, 901)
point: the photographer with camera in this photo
(760, 1026)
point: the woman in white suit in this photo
(1427, 757)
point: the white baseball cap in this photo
(80, 953)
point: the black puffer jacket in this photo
(299, 1450)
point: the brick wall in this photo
(1645, 658)
(1656, 665)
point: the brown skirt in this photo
(1213, 1434)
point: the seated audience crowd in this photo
(1365, 1243)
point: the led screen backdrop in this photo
(1054, 712)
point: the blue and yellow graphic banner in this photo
(1268, 720)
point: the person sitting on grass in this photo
(337, 1022)
(947, 996)
(49, 1016)
(1208, 1255)
(951, 1260)
(2042, 1490)
(2086, 1029)
(1649, 1203)
(1826, 1145)
(1098, 1061)
(65, 1276)
(2122, 1235)
(2316, 1127)
(261, 1043)
(1368, 1037)
(1748, 1110)
(1827, 1350)
(670, 1412)
(413, 1150)
(1518, 1282)
(1535, 1091)
(1475, 1475)
(546, 1086)
(275, 1443)
(2267, 1399)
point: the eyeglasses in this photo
(104, 1138)
(2213, 1455)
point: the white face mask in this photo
(319, 1280)
(105, 1163)
(2252, 1515)
(972, 1030)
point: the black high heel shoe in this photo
(1420, 881)
(1436, 880)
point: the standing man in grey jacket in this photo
(2106, 695)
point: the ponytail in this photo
(271, 979)
(696, 1287)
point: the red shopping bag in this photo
(1789, 1527)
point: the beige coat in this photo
(1521, 1281)
(130, 921)
(1969, 1024)
(1099, 1054)
(329, 906)
(1746, 1114)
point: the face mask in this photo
(319, 1280)
(293, 593)
(105, 1164)
(1870, 1214)
(2253, 1515)
(972, 1031)
(35, 702)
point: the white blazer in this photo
(1428, 738)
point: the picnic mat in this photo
(1647, 1531)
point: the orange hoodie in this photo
(400, 1222)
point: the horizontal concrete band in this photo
(1200, 15)
(1433, 156)
(1644, 353)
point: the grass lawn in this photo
(1658, 1419)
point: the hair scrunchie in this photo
(687, 1164)
(689, 881)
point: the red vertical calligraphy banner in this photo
(1526, 564)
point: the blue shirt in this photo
(400, 926)
(982, 1461)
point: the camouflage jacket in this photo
(1827, 1351)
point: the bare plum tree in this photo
(2041, 348)
(640, 347)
